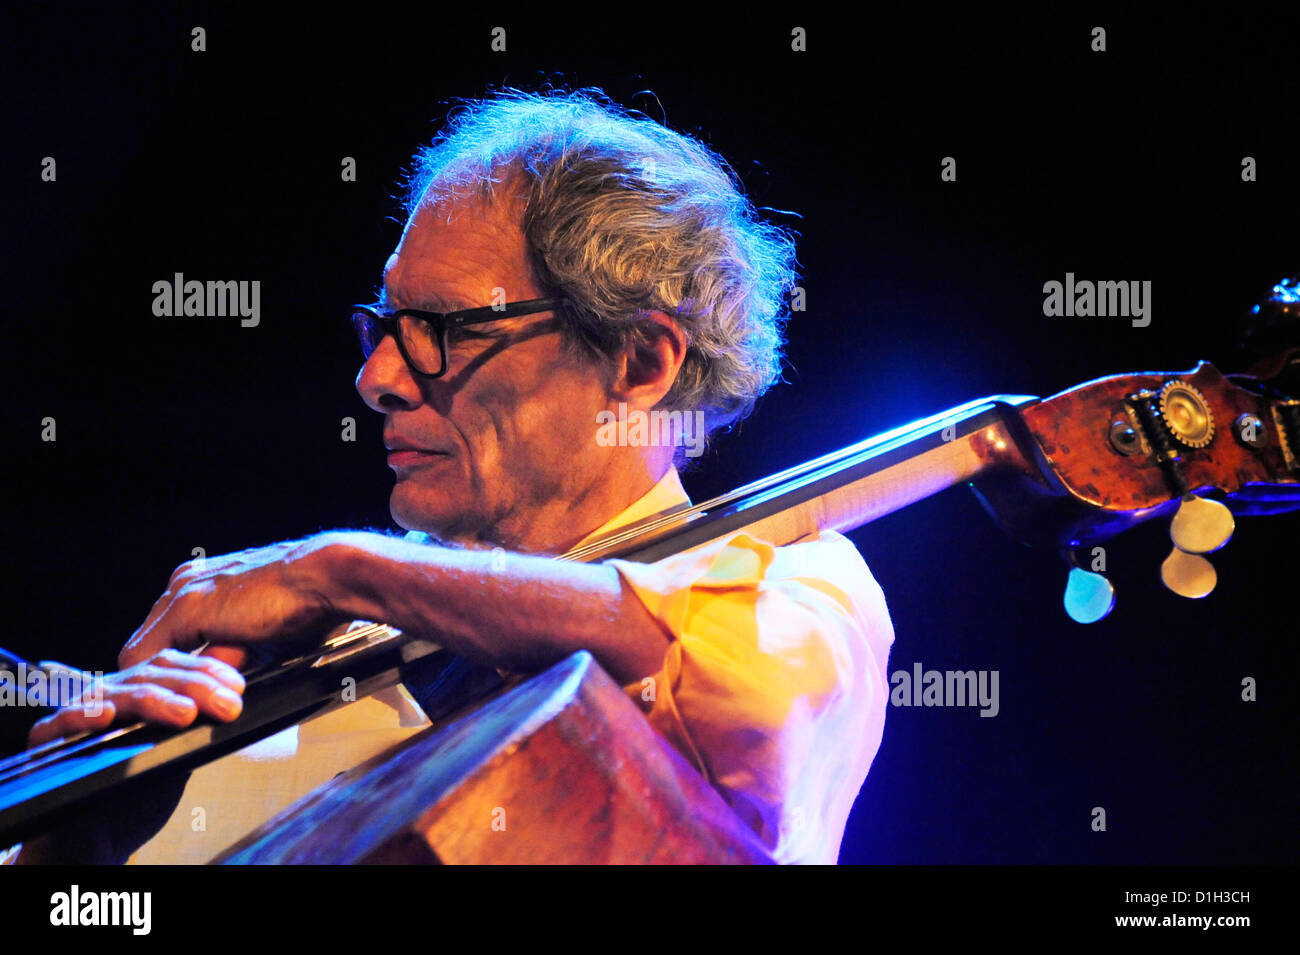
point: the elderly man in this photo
(563, 261)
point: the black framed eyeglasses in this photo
(421, 336)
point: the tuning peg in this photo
(1088, 596)
(1188, 575)
(1201, 526)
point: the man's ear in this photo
(650, 364)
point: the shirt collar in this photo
(667, 495)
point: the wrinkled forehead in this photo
(453, 251)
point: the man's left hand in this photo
(272, 593)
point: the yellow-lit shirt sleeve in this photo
(774, 683)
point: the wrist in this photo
(338, 572)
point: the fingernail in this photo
(227, 703)
(227, 675)
(181, 709)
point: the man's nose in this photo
(386, 382)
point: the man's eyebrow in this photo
(428, 301)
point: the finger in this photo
(69, 722)
(145, 641)
(193, 686)
(72, 686)
(170, 629)
(152, 704)
(161, 604)
(130, 654)
(185, 574)
(228, 653)
(213, 665)
(133, 651)
(212, 698)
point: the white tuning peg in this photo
(1188, 575)
(1201, 526)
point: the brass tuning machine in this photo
(1179, 415)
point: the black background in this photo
(183, 433)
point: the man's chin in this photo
(432, 513)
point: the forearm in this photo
(513, 611)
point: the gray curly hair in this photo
(623, 215)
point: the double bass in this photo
(1067, 472)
